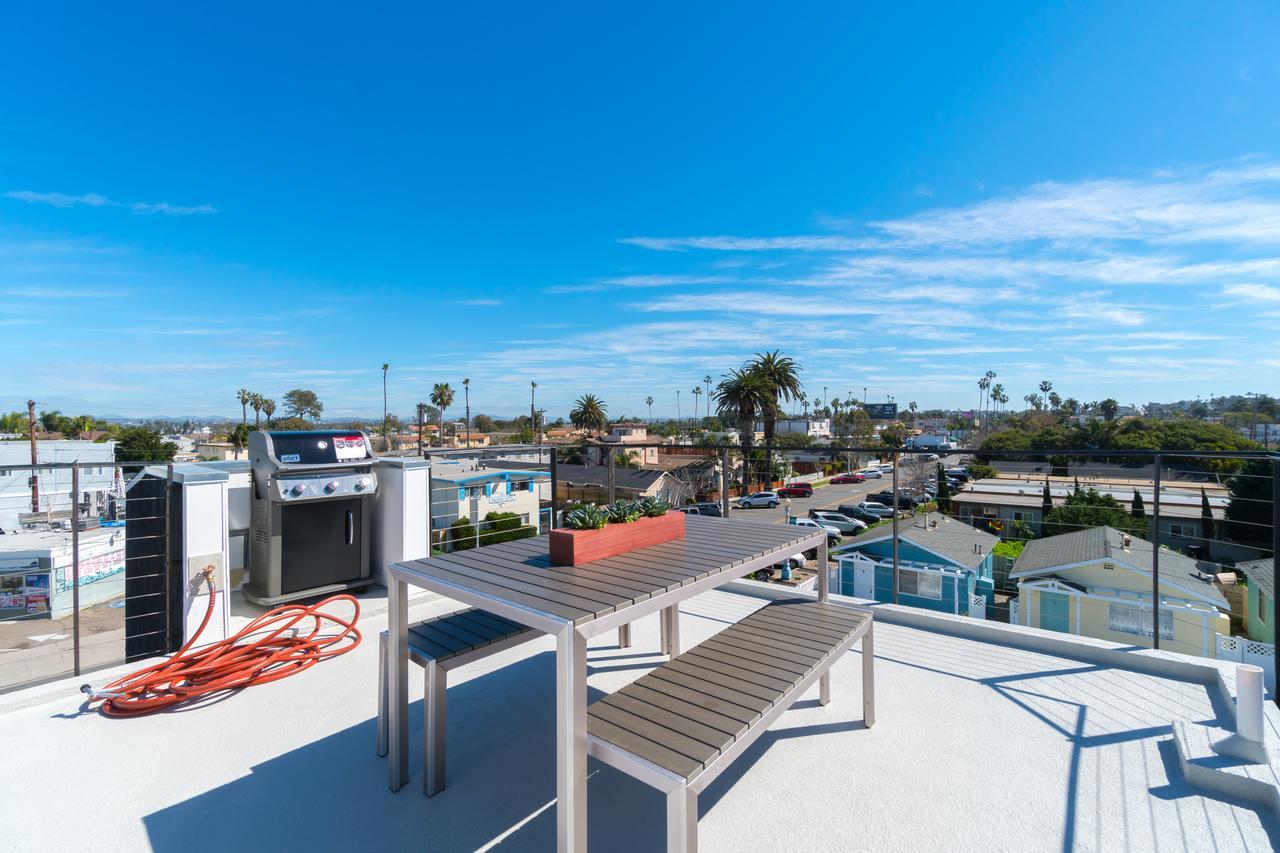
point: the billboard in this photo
(881, 411)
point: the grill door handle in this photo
(351, 527)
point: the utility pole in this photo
(35, 476)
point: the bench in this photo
(679, 726)
(438, 645)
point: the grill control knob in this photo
(331, 486)
(361, 485)
(299, 489)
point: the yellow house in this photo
(1097, 583)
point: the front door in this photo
(1053, 611)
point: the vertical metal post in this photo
(1155, 560)
(168, 602)
(896, 459)
(613, 477)
(724, 482)
(555, 490)
(75, 569)
(1275, 544)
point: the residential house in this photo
(562, 435)
(219, 451)
(619, 439)
(473, 439)
(1005, 500)
(1097, 583)
(1260, 614)
(942, 565)
(590, 484)
(97, 484)
(813, 427)
(459, 490)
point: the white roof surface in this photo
(976, 747)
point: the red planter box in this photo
(575, 547)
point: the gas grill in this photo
(311, 520)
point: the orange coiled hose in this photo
(291, 639)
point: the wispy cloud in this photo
(478, 303)
(96, 200)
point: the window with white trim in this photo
(1127, 618)
(920, 584)
(1019, 515)
(1186, 531)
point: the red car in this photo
(796, 490)
(852, 477)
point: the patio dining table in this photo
(517, 580)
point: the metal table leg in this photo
(571, 741)
(397, 675)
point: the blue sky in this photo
(618, 199)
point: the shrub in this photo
(462, 535)
(652, 507)
(589, 517)
(621, 512)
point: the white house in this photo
(813, 427)
(54, 486)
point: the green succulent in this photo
(589, 517)
(652, 507)
(621, 512)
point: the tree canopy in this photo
(1090, 508)
(301, 403)
(139, 444)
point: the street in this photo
(824, 497)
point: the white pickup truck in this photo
(833, 534)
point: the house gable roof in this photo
(1054, 554)
(950, 540)
(1261, 573)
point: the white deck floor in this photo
(976, 747)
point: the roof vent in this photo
(1125, 540)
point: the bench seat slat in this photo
(684, 714)
(442, 638)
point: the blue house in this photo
(943, 565)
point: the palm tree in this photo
(466, 392)
(268, 409)
(648, 401)
(589, 413)
(697, 394)
(706, 380)
(679, 417)
(911, 407)
(782, 376)
(1032, 400)
(245, 396)
(255, 403)
(421, 409)
(742, 396)
(385, 368)
(533, 410)
(442, 399)
(998, 395)
(1045, 387)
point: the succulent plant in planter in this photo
(652, 507)
(621, 512)
(589, 517)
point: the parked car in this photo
(961, 474)
(796, 490)
(833, 533)
(856, 512)
(703, 508)
(886, 468)
(850, 477)
(769, 499)
(797, 562)
(877, 509)
(846, 525)
(885, 497)
(872, 473)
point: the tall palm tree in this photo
(589, 413)
(998, 396)
(706, 380)
(442, 399)
(268, 409)
(648, 401)
(533, 410)
(244, 395)
(1045, 387)
(742, 396)
(466, 391)
(911, 407)
(255, 403)
(679, 417)
(421, 409)
(385, 368)
(697, 394)
(782, 376)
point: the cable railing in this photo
(84, 567)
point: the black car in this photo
(886, 497)
(852, 511)
(703, 508)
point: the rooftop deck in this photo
(977, 746)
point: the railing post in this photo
(724, 482)
(555, 489)
(75, 569)
(613, 478)
(1275, 550)
(896, 460)
(1155, 560)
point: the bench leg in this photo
(382, 695)
(682, 820)
(433, 725)
(670, 630)
(868, 678)
(824, 688)
(624, 636)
